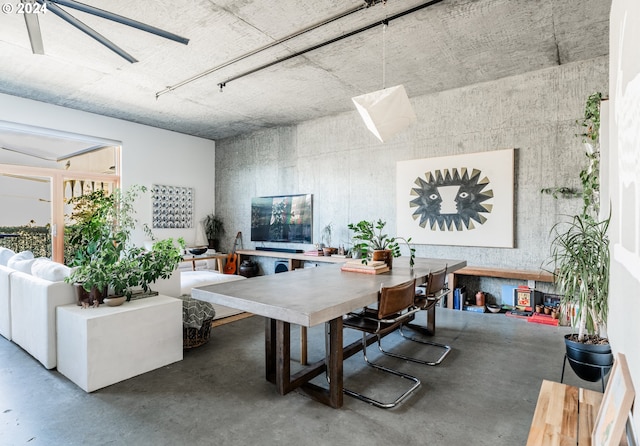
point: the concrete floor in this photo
(483, 394)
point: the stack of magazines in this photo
(371, 267)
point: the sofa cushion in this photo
(49, 270)
(5, 255)
(21, 261)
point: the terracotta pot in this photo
(384, 255)
(480, 298)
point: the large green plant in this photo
(105, 256)
(369, 236)
(580, 247)
(213, 227)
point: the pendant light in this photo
(388, 111)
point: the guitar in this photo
(232, 258)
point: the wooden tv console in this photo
(296, 260)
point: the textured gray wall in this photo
(352, 176)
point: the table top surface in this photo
(310, 296)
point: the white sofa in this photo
(30, 291)
(5, 293)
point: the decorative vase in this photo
(248, 268)
(115, 301)
(480, 297)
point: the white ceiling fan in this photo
(35, 36)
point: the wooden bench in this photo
(501, 273)
(564, 415)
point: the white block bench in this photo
(101, 346)
(499, 273)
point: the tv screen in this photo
(282, 218)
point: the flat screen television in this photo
(282, 218)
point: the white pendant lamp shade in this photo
(386, 112)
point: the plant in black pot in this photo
(581, 261)
(373, 244)
(213, 229)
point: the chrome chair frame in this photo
(379, 322)
(435, 290)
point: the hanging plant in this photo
(590, 175)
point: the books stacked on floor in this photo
(372, 267)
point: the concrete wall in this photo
(624, 168)
(352, 175)
(149, 155)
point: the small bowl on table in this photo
(494, 308)
(198, 250)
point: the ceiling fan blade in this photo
(33, 28)
(121, 19)
(89, 31)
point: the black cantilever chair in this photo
(435, 289)
(395, 306)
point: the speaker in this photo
(282, 266)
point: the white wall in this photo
(149, 155)
(624, 185)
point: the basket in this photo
(196, 322)
(192, 337)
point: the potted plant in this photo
(326, 238)
(213, 229)
(581, 260)
(107, 260)
(83, 236)
(372, 243)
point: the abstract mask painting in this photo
(457, 200)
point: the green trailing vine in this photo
(590, 175)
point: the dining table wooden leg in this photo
(283, 357)
(335, 366)
(270, 350)
(431, 320)
(303, 345)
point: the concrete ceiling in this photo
(447, 45)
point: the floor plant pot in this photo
(590, 362)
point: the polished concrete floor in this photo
(484, 393)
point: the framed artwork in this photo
(457, 200)
(615, 407)
(172, 206)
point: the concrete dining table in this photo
(308, 297)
